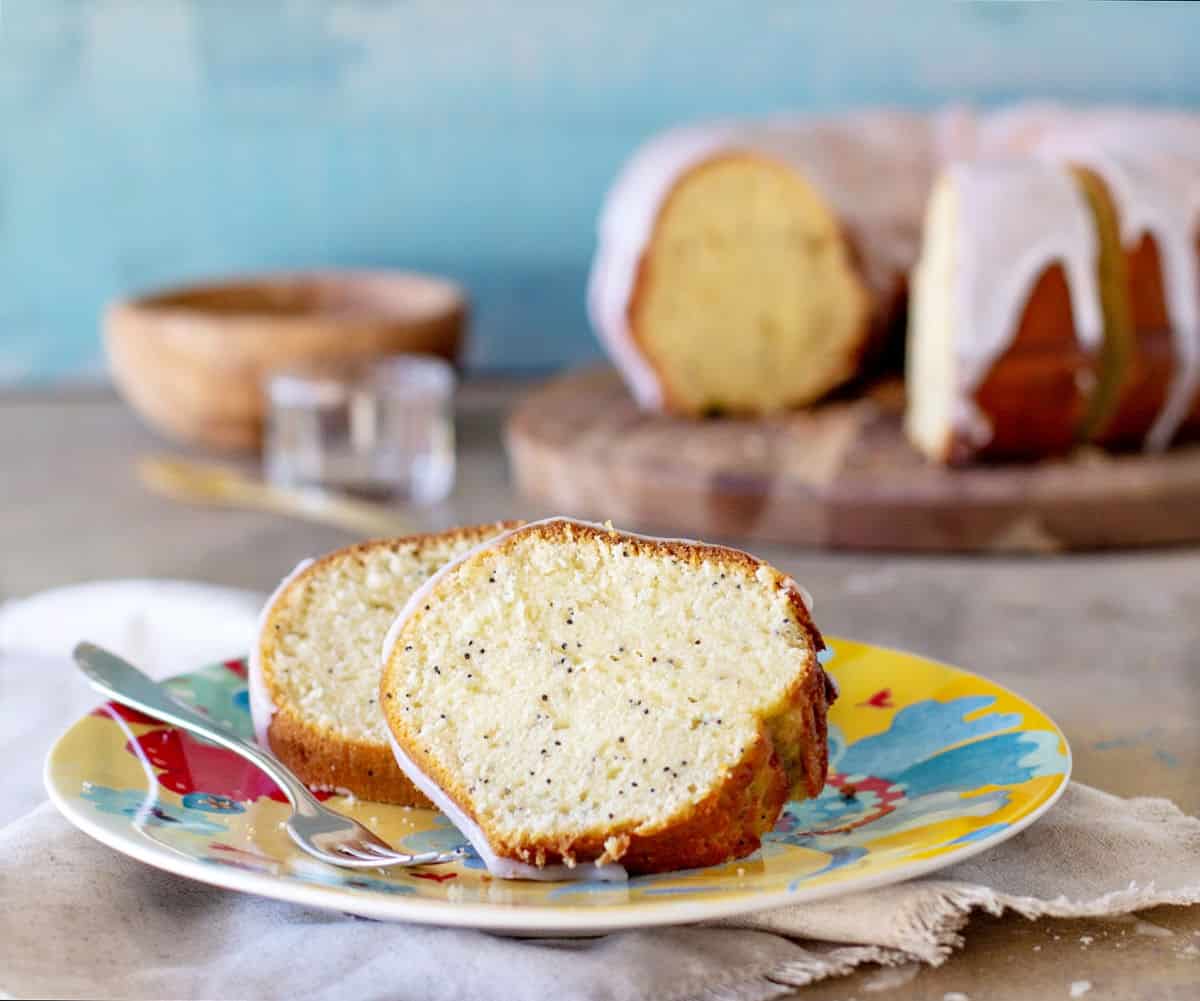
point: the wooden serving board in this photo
(840, 476)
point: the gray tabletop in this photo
(1108, 644)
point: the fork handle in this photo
(118, 679)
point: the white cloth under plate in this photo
(79, 920)
(164, 627)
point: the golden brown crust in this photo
(859, 350)
(801, 733)
(1154, 362)
(789, 757)
(320, 757)
(727, 824)
(1149, 358)
(1124, 388)
(328, 761)
(1035, 395)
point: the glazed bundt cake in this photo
(1073, 319)
(1005, 310)
(750, 268)
(575, 698)
(314, 672)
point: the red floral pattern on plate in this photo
(882, 699)
(879, 795)
(188, 765)
(238, 667)
(115, 709)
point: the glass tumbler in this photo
(383, 430)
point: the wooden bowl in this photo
(192, 361)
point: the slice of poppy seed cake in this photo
(572, 694)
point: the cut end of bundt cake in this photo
(747, 299)
(931, 373)
(314, 674)
(1006, 309)
(575, 696)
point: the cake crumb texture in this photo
(319, 655)
(584, 694)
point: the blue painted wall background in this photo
(143, 143)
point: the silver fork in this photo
(324, 834)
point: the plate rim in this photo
(538, 919)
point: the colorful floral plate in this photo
(928, 764)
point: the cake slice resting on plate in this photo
(578, 699)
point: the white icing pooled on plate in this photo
(262, 708)
(1017, 218)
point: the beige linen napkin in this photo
(78, 920)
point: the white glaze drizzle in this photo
(1155, 194)
(1019, 128)
(955, 133)
(499, 866)
(625, 226)
(844, 158)
(610, 288)
(1173, 218)
(1016, 219)
(262, 707)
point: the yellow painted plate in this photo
(929, 764)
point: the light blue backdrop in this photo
(147, 142)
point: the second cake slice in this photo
(314, 673)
